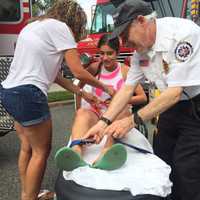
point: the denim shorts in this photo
(27, 104)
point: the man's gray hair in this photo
(151, 16)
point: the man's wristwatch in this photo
(106, 120)
(137, 119)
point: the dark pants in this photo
(178, 143)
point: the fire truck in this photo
(13, 17)
(102, 22)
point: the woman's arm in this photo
(73, 61)
(78, 97)
(92, 69)
(67, 84)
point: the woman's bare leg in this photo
(39, 137)
(24, 156)
(83, 121)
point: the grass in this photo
(60, 96)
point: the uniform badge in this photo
(165, 67)
(183, 51)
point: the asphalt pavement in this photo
(9, 148)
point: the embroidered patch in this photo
(144, 63)
(183, 51)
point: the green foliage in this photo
(60, 96)
(47, 3)
(39, 6)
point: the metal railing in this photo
(6, 121)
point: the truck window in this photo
(167, 8)
(10, 11)
(103, 21)
(188, 10)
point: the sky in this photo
(86, 5)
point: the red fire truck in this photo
(102, 21)
(15, 13)
(13, 17)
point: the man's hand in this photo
(120, 128)
(96, 132)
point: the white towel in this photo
(141, 174)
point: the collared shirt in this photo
(174, 59)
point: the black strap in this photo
(133, 146)
(88, 141)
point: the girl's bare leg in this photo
(83, 121)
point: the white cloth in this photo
(141, 174)
(39, 54)
(174, 58)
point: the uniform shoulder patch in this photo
(183, 51)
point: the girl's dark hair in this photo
(113, 43)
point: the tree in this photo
(47, 3)
(39, 6)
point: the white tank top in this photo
(113, 79)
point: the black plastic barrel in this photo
(69, 190)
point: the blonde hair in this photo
(69, 12)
